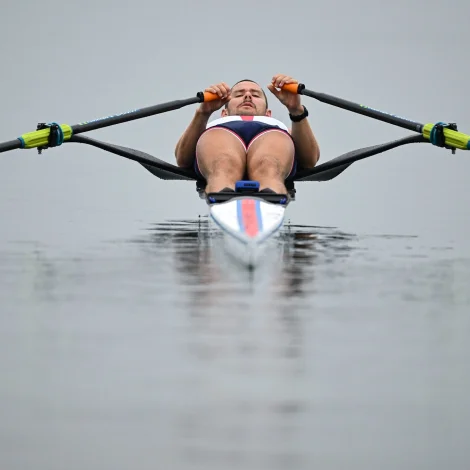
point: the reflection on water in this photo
(343, 352)
(199, 260)
(342, 335)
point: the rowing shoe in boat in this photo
(247, 218)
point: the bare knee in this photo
(266, 166)
(227, 164)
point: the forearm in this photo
(186, 146)
(307, 148)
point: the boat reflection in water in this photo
(248, 341)
(199, 258)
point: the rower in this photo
(246, 142)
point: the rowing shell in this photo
(248, 224)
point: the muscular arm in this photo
(307, 149)
(186, 146)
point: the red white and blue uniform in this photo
(247, 129)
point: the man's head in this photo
(247, 99)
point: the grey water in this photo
(146, 348)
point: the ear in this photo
(224, 112)
(268, 113)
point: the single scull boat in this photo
(248, 219)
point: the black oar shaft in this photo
(132, 115)
(32, 139)
(10, 145)
(364, 110)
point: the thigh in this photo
(220, 149)
(272, 151)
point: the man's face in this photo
(247, 99)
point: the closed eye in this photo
(242, 92)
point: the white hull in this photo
(248, 227)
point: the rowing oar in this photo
(51, 135)
(440, 134)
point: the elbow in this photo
(310, 160)
(315, 154)
(179, 157)
(182, 160)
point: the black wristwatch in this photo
(299, 117)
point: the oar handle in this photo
(207, 96)
(295, 88)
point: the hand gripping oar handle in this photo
(452, 138)
(41, 138)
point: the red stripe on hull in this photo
(250, 217)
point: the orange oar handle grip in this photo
(205, 96)
(293, 87)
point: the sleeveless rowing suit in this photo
(247, 129)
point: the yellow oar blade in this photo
(454, 139)
(40, 138)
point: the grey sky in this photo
(84, 60)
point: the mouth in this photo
(247, 104)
